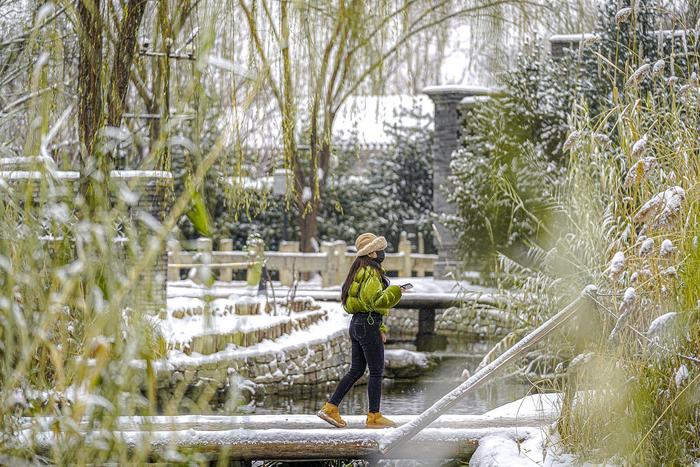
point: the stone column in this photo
(447, 138)
(153, 190)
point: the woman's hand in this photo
(383, 338)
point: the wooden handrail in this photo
(409, 430)
(333, 261)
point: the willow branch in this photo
(261, 52)
(392, 50)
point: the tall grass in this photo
(77, 344)
(635, 398)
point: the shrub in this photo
(511, 163)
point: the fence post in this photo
(204, 249)
(340, 248)
(204, 245)
(329, 272)
(256, 256)
(405, 248)
(173, 258)
(421, 250)
(226, 274)
(286, 274)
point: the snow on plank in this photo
(281, 444)
(514, 417)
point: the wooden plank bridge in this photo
(297, 437)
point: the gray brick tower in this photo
(448, 100)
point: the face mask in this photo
(380, 256)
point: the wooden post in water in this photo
(409, 430)
(425, 340)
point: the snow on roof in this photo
(35, 175)
(366, 117)
(141, 174)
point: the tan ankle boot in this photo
(331, 414)
(377, 420)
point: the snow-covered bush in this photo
(511, 165)
(402, 180)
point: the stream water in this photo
(412, 397)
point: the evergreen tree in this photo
(402, 180)
(512, 161)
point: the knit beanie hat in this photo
(368, 243)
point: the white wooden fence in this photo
(332, 262)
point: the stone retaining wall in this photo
(462, 323)
(473, 323)
(293, 369)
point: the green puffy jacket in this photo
(367, 293)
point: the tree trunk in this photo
(123, 59)
(308, 226)
(89, 93)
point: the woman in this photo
(367, 295)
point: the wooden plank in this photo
(282, 444)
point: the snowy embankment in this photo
(187, 326)
(229, 336)
(334, 326)
(525, 446)
(316, 355)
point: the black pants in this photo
(367, 350)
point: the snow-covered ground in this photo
(187, 300)
(323, 331)
(180, 327)
(220, 321)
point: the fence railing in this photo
(332, 262)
